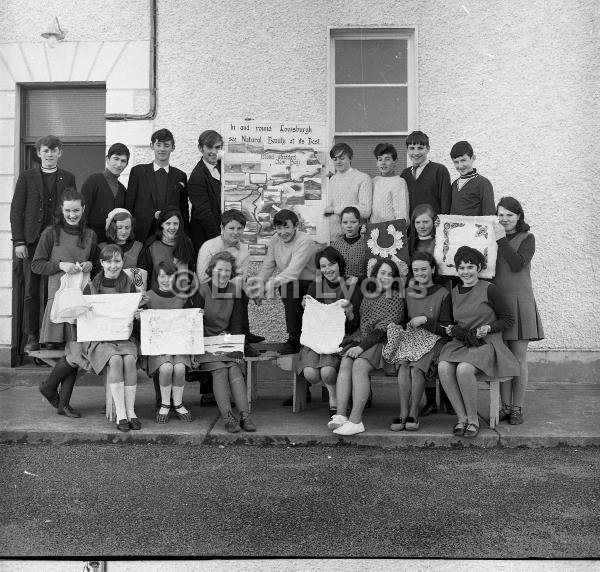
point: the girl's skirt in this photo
(310, 358)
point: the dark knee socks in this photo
(58, 375)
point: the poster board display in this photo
(272, 165)
(454, 231)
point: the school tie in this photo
(414, 171)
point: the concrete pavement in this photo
(556, 413)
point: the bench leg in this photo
(111, 412)
(494, 403)
(299, 397)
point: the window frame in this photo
(375, 33)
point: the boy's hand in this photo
(499, 231)
(21, 251)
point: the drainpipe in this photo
(152, 77)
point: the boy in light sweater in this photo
(292, 253)
(347, 188)
(390, 193)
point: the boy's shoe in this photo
(32, 344)
(292, 346)
(337, 421)
(231, 423)
(254, 339)
(246, 423)
(350, 428)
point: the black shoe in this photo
(208, 400)
(369, 402)
(51, 396)
(68, 411)
(54, 346)
(428, 410)
(254, 339)
(249, 351)
(33, 344)
(135, 424)
(123, 425)
(292, 346)
(290, 400)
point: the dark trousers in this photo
(31, 302)
(291, 295)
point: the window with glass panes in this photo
(373, 97)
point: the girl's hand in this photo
(136, 314)
(483, 331)
(499, 231)
(86, 266)
(448, 330)
(144, 300)
(418, 321)
(354, 352)
(69, 267)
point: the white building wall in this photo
(518, 80)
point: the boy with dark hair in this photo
(427, 182)
(472, 193)
(36, 195)
(390, 194)
(103, 192)
(204, 189)
(347, 188)
(153, 186)
(292, 253)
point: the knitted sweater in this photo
(390, 199)
(349, 189)
(474, 198)
(376, 314)
(354, 251)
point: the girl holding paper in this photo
(381, 306)
(119, 356)
(223, 312)
(330, 286)
(67, 247)
(170, 368)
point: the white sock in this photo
(178, 397)
(165, 396)
(130, 400)
(118, 393)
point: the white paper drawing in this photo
(172, 332)
(109, 319)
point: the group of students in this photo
(106, 229)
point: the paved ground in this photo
(283, 501)
(556, 414)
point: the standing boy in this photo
(103, 192)
(36, 195)
(390, 194)
(347, 188)
(292, 253)
(472, 193)
(204, 189)
(153, 186)
(428, 182)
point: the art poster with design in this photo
(454, 231)
(388, 241)
(171, 332)
(269, 166)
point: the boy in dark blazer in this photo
(204, 190)
(36, 195)
(103, 192)
(153, 186)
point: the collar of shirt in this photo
(420, 168)
(157, 167)
(212, 170)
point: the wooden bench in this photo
(494, 383)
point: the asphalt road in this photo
(155, 500)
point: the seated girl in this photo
(428, 306)
(118, 357)
(381, 306)
(480, 315)
(330, 286)
(223, 312)
(352, 245)
(67, 247)
(170, 368)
